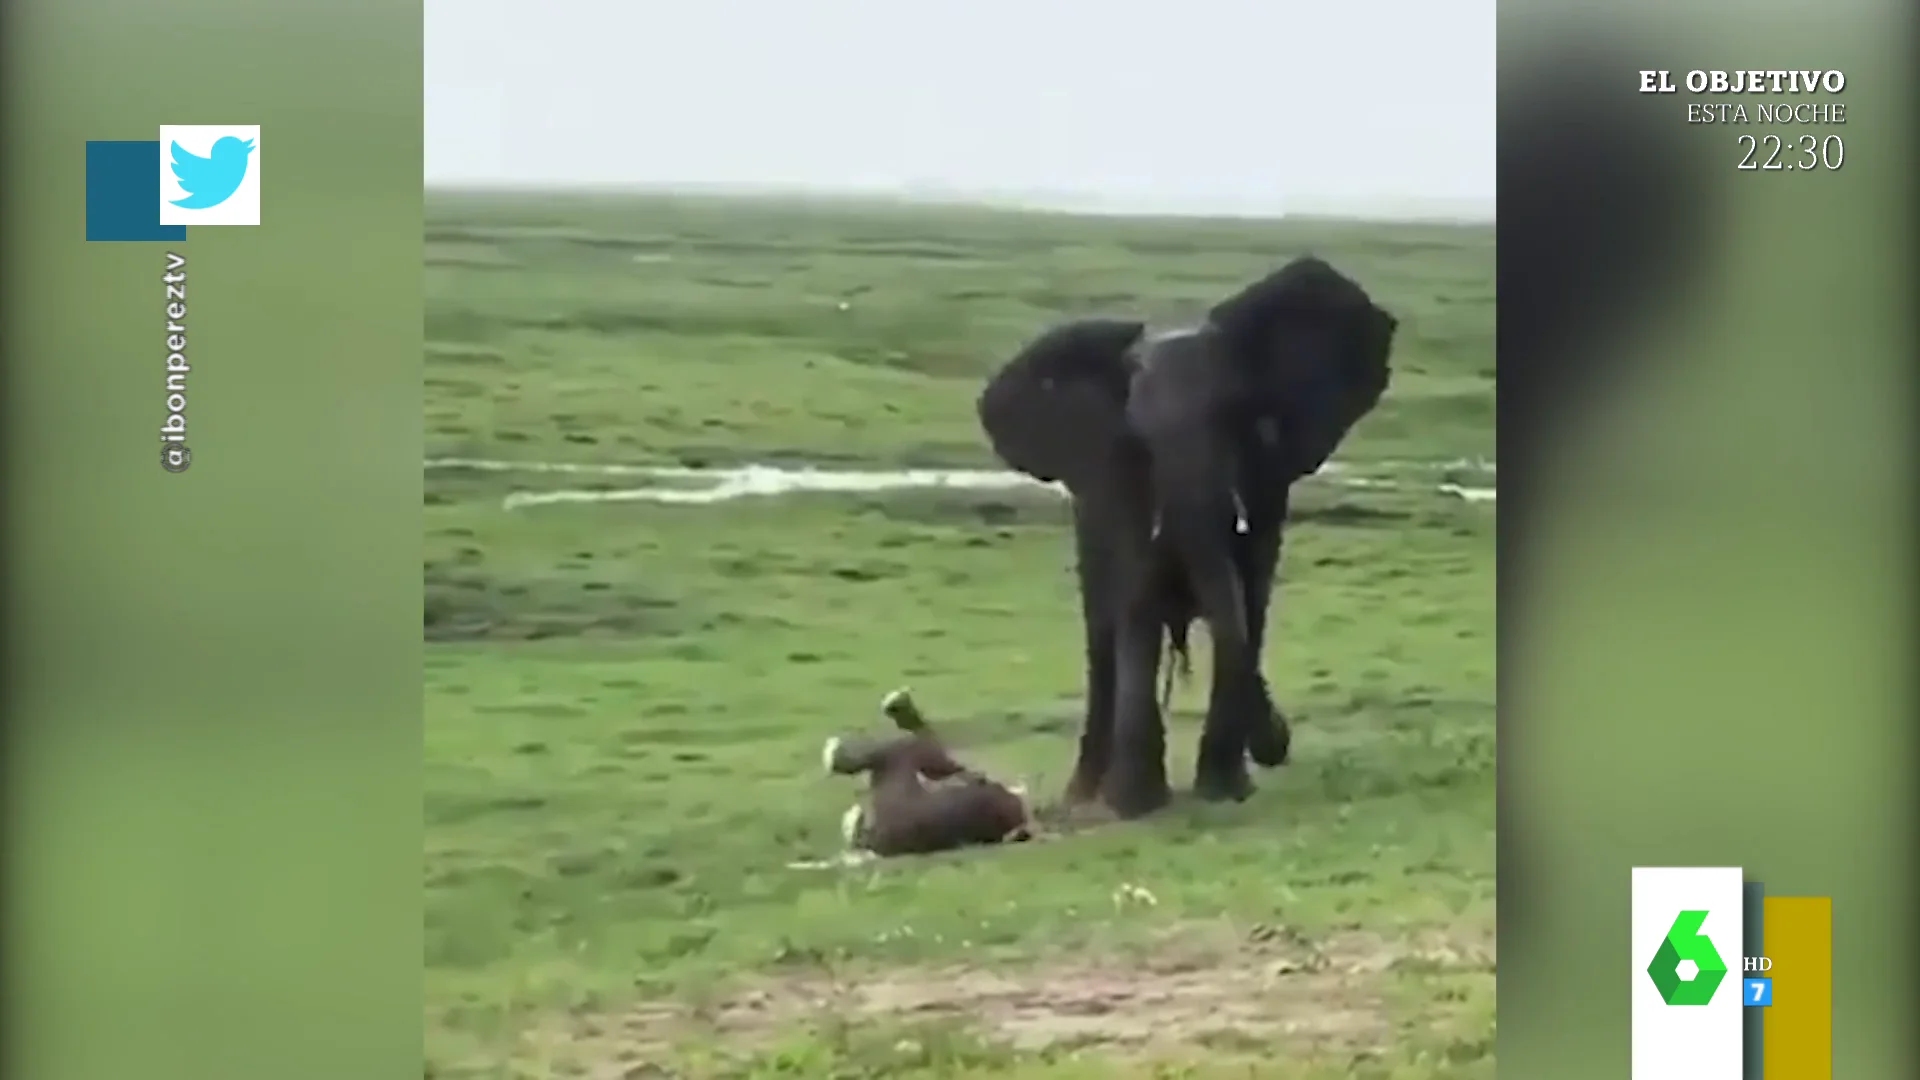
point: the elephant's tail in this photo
(1179, 660)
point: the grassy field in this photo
(625, 700)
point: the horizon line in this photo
(1069, 203)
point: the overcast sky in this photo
(1158, 105)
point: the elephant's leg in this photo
(1220, 770)
(1235, 696)
(1098, 586)
(1136, 780)
(1269, 737)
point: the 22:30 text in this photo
(1771, 153)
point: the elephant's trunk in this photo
(1226, 612)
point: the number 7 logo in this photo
(1759, 992)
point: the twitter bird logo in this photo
(211, 180)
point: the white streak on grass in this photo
(707, 486)
(583, 468)
(1471, 494)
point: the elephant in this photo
(1178, 451)
(904, 816)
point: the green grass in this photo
(626, 700)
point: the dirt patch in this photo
(1274, 988)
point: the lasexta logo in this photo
(1685, 946)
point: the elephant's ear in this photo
(1315, 351)
(1057, 410)
(1315, 423)
(1306, 288)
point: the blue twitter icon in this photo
(211, 180)
(209, 174)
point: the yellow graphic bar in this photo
(1799, 1024)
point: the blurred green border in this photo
(1708, 659)
(214, 689)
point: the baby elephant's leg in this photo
(905, 713)
(853, 827)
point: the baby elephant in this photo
(902, 815)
